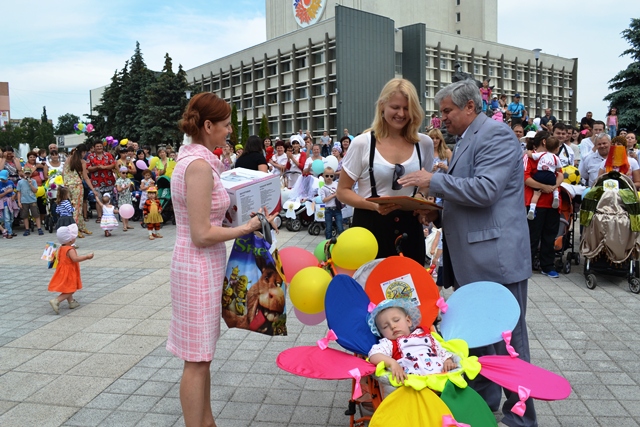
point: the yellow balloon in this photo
(124, 141)
(40, 191)
(58, 180)
(355, 247)
(308, 288)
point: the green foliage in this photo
(263, 132)
(245, 130)
(11, 135)
(234, 125)
(626, 84)
(109, 105)
(44, 135)
(44, 118)
(165, 101)
(65, 124)
(30, 127)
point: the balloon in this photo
(319, 251)
(81, 127)
(40, 192)
(126, 211)
(109, 139)
(124, 141)
(317, 166)
(142, 165)
(308, 288)
(295, 259)
(90, 128)
(331, 161)
(320, 184)
(78, 132)
(58, 180)
(309, 319)
(341, 270)
(115, 142)
(355, 246)
(318, 199)
(75, 126)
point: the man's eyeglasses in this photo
(398, 171)
(328, 176)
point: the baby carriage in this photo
(475, 315)
(566, 232)
(164, 195)
(297, 210)
(318, 225)
(610, 214)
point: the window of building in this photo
(286, 95)
(303, 124)
(457, 2)
(272, 70)
(426, 61)
(491, 71)
(443, 64)
(476, 69)
(285, 66)
(318, 58)
(457, 31)
(216, 86)
(206, 87)
(303, 93)
(318, 89)
(248, 103)
(555, 81)
(259, 101)
(566, 106)
(319, 123)
(225, 82)
(302, 62)
(287, 127)
(237, 105)
(247, 76)
(519, 75)
(273, 127)
(398, 62)
(457, 16)
(258, 74)
(235, 80)
(505, 74)
(273, 98)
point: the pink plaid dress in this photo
(197, 274)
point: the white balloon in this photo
(331, 161)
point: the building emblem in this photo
(308, 12)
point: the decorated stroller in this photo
(476, 315)
(610, 214)
(318, 225)
(565, 239)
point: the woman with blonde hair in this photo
(377, 158)
(441, 153)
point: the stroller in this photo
(164, 195)
(610, 214)
(318, 225)
(566, 232)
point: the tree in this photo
(234, 125)
(65, 124)
(164, 103)
(245, 130)
(30, 127)
(11, 135)
(109, 105)
(131, 102)
(263, 132)
(626, 84)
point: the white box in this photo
(249, 191)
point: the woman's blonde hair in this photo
(442, 147)
(416, 113)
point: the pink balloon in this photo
(142, 165)
(126, 211)
(310, 319)
(295, 259)
(89, 128)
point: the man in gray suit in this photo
(484, 220)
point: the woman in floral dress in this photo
(73, 173)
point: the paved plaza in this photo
(105, 363)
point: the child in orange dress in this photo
(66, 279)
(151, 210)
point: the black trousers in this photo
(387, 228)
(543, 230)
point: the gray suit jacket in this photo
(486, 236)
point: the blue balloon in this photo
(318, 199)
(317, 166)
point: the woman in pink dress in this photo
(199, 255)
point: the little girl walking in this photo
(66, 278)
(152, 210)
(64, 208)
(123, 185)
(109, 221)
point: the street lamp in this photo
(187, 94)
(536, 54)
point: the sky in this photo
(54, 53)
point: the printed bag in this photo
(253, 295)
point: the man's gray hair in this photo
(460, 93)
(601, 136)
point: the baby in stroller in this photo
(405, 347)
